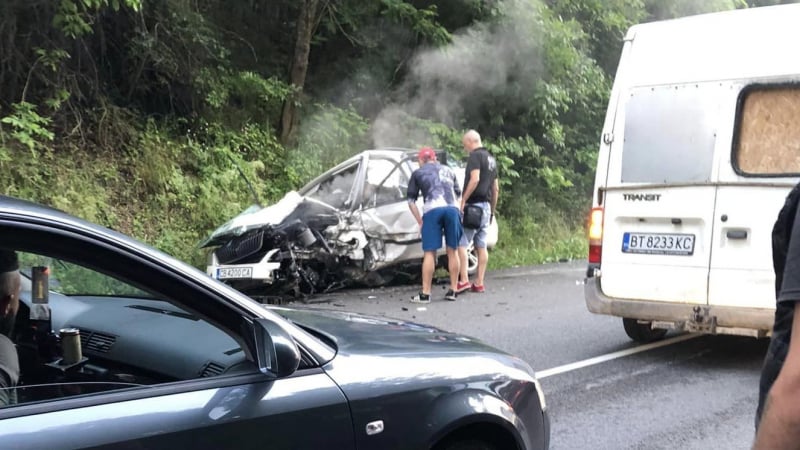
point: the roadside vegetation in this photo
(143, 114)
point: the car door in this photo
(754, 181)
(659, 196)
(224, 402)
(384, 214)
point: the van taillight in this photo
(596, 235)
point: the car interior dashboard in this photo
(124, 342)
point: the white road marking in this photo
(535, 272)
(608, 357)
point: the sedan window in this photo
(335, 190)
(124, 336)
(71, 279)
(386, 183)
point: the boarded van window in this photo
(669, 134)
(768, 141)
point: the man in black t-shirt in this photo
(778, 414)
(481, 189)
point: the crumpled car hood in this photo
(255, 216)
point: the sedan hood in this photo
(406, 374)
(359, 334)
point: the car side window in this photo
(80, 331)
(73, 279)
(335, 190)
(386, 182)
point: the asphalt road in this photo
(695, 392)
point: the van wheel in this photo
(641, 332)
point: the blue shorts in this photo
(478, 235)
(438, 221)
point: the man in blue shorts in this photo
(440, 217)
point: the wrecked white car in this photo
(349, 226)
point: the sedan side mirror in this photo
(276, 351)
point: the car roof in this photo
(739, 44)
(397, 153)
(20, 207)
(441, 155)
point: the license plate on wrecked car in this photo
(658, 243)
(227, 273)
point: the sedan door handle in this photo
(737, 234)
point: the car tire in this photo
(641, 332)
(472, 260)
(469, 444)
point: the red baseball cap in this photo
(426, 154)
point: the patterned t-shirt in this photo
(438, 186)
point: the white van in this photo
(700, 146)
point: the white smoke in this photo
(488, 60)
(392, 129)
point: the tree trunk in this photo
(307, 19)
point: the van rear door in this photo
(659, 197)
(754, 181)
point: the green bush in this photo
(172, 182)
(531, 240)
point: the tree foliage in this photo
(151, 109)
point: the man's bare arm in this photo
(780, 424)
(495, 194)
(474, 178)
(415, 211)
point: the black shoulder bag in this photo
(473, 215)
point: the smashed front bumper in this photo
(261, 272)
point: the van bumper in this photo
(702, 318)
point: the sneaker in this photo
(421, 298)
(479, 289)
(450, 295)
(463, 286)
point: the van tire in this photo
(641, 332)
